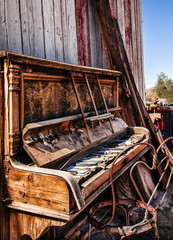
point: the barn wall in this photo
(68, 31)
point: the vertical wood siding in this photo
(128, 30)
(13, 25)
(68, 31)
(83, 39)
(121, 18)
(3, 27)
(59, 50)
(97, 54)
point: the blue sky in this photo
(157, 17)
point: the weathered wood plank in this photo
(14, 26)
(59, 50)
(54, 64)
(83, 32)
(128, 31)
(38, 189)
(69, 31)
(121, 22)
(134, 43)
(49, 31)
(37, 22)
(146, 183)
(22, 30)
(26, 13)
(95, 39)
(21, 223)
(39, 210)
(3, 27)
(140, 50)
(113, 4)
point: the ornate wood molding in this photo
(13, 109)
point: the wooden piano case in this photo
(56, 117)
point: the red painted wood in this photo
(83, 38)
(113, 5)
(128, 31)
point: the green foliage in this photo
(164, 87)
(150, 93)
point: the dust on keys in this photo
(100, 158)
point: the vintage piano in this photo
(63, 126)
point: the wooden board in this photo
(49, 28)
(146, 183)
(3, 27)
(134, 42)
(121, 21)
(50, 192)
(83, 38)
(37, 22)
(59, 46)
(66, 31)
(23, 59)
(97, 59)
(128, 31)
(14, 26)
(21, 223)
(27, 27)
(140, 49)
(113, 4)
(69, 31)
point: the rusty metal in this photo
(147, 223)
(127, 230)
(154, 166)
(111, 174)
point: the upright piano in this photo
(63, 127)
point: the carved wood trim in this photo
(118, 84)
(12, 121)
(55, 78)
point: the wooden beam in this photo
(19, 58)
(113, 39)
(110, 32)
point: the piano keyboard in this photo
(99, 159)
